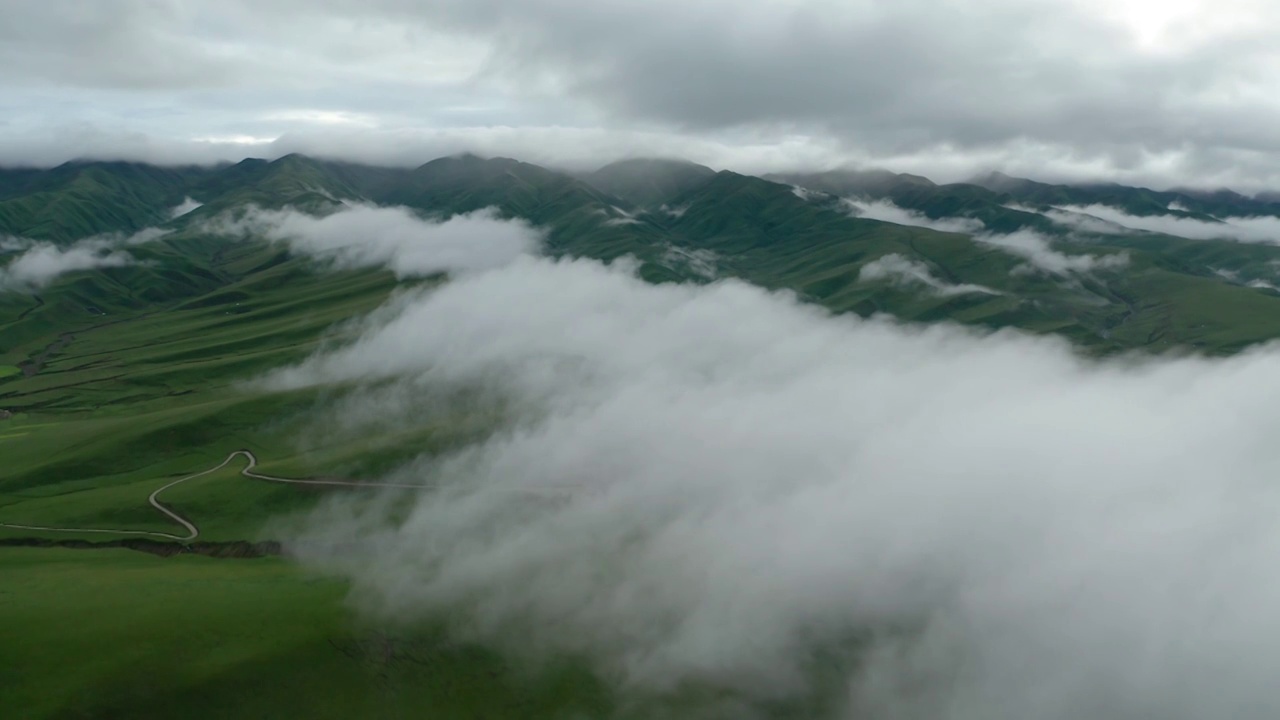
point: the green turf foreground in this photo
(123, 634)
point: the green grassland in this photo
(118, 381)
(123, 408)
(117, 633)
(124, 404)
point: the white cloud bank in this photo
(1234, 277)
(1261, 229)
(40, 263)
(714, 485)
(905, 271)
(885, 211)
(1038, 251)
(184, 207)
(617, 216)
(704, 263)
(395, 237)
(1033, 247)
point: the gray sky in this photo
(1154, 91)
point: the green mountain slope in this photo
(650, 182)
(292, 180)
(918, 194)
(78, 200)
(757, 229)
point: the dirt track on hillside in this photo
(193, 531)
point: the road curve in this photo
(193, 532)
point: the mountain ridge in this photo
(761, 230)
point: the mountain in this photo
(762, 230)
(921, 195)
(292, 180)
(81, 199)
(650, 182)
(135, 384)
(860, 183)
(467, 183)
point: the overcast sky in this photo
(1154, 91)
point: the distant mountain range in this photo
(865, 242)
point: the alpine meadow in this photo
(781, 360)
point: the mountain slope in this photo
(718, 225)
(78, 200)
(291, 180)
(912, 192)
(649, 182)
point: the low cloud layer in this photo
(1038, 251)
(184, 207)
(1234, 277)
(703, 263)
(905, 271)
(39, 263)
(1263, 229)
(885, 211)
(394, 237)
(36, 264)
(717, 487)
(1075, 220)
(617, 216)
(1035, 248)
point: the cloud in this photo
(37, 263)
(1038, 251)
(886, 211)
(704, 263)
(808, 195)
(720, 488)
(1234, 277)
(1172, 93)
(40, 263)
(1032, 246)
(904, 271)
(1075, 220)
(1261, 229)
(617, 216)
(143, 236)
(184, 207)
(394, 237)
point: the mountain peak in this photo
(655, 163)
(999, 182)
(650, 182)
(845, 182)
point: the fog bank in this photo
(1261, 229)
(40, 263)
(713, 486)
(395, 237)
(904, 271)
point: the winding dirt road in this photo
(192, 531)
